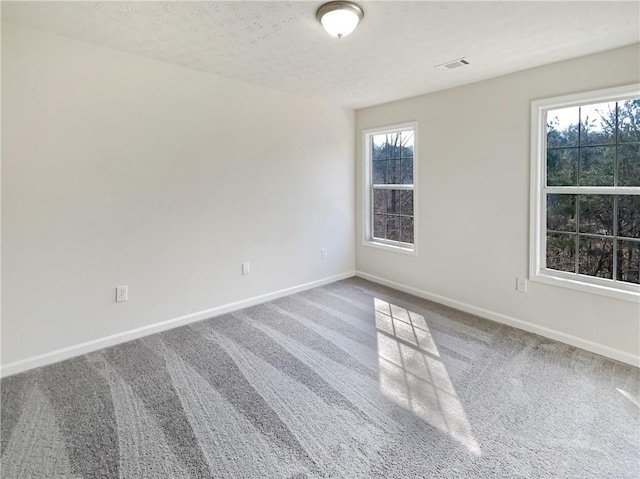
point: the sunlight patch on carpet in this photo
(412, 375)
(629, 396)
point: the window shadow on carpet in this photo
(413, 376)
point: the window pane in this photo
(561, 212)
(596, 166)
(379, 226)
(379, 172)
(562, 167)
(562, 127)
(379, 202)
(406, 203)
(406, 229)
(406, 171)
(393, 172)
(596, 214)
(393, 228)
(386, 148)
(561, 251)
(629, 165)
(629, 120)
(393, 202)
(392, 155)
(596, 257)
(386, 145)
(394, 145)
(629, 216)
(598, 124)
(407, 144)
(629, 261)
(378, 143)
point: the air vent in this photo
(460, 62)
(456, 64)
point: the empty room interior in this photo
(310, 240)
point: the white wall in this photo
(474, 201)
(117, 170)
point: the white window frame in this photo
(368, 239)
(538, 214)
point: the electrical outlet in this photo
(122, 293)
(246, 269)
(323, 253)
(521, 285)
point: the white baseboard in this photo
(576, 341)
(93, 345)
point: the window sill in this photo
(411, 251)
(576, 284)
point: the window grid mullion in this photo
(578, 166)
(617, 143)
(578, 170)
(615, 198)
(371, 211)
(577, 240)
(595, 235)
(615, 235)
(594, 145)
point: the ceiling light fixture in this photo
(339, 19)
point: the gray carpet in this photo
(350, 380)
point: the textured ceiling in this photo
(391, 55)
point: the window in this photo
(586, 192)
(389, 193)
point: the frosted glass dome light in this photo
(339, 19)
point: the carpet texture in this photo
(349, 380)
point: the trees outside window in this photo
(586, 189)
(390, 164)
